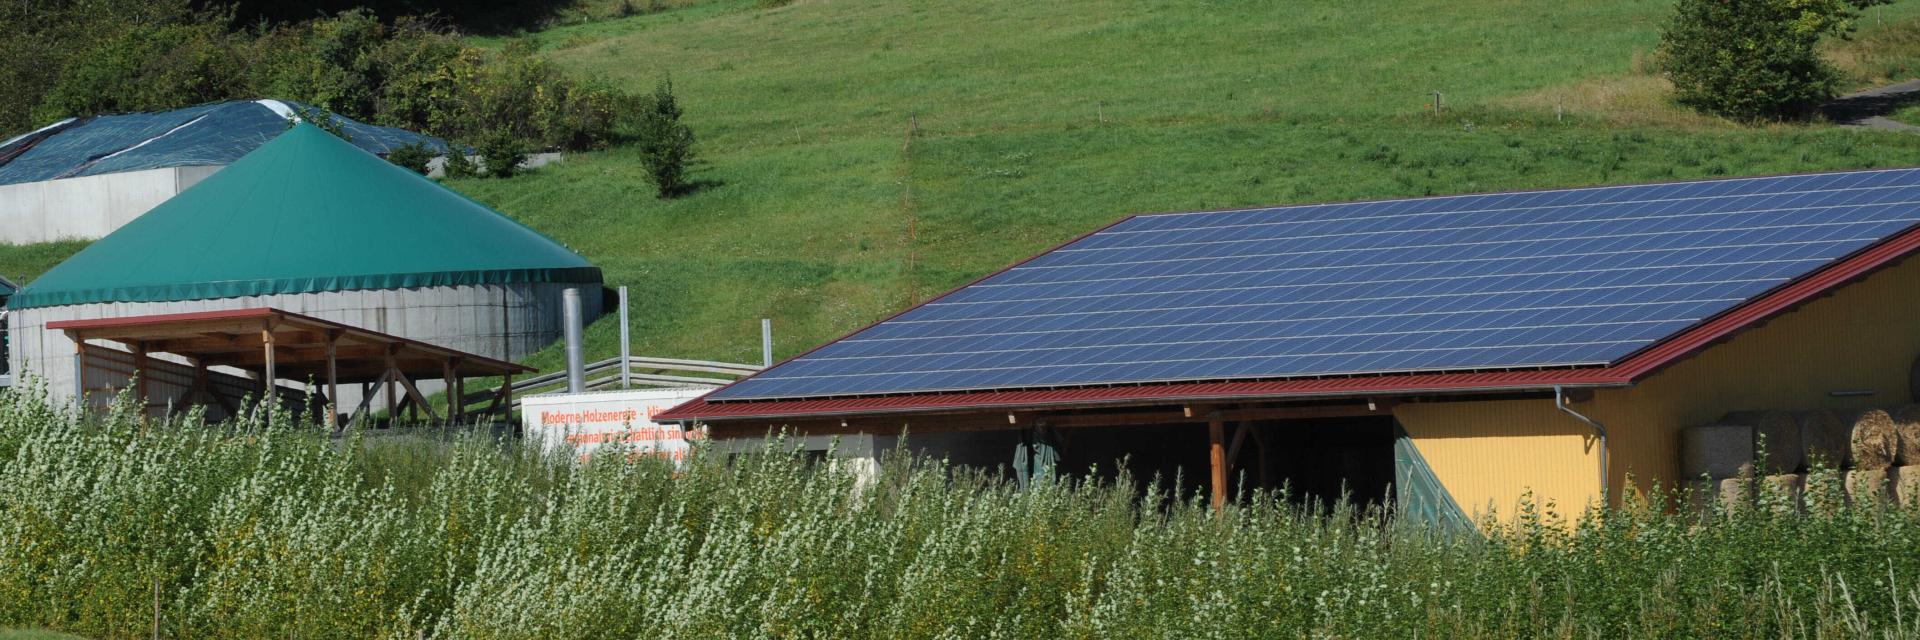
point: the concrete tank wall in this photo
(88, 207)
(498, 321)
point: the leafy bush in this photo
(666, 144)
(410, 73)
(258, 528)
(502, 152)
(1754, 60)
(414, 156)
(458, 165)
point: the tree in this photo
(666, 144)
(1754, 60)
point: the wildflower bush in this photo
(257, 528)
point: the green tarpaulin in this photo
(307, 212)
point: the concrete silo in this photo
(313, 225)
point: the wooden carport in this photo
(273, 345)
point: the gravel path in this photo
(1869, 109)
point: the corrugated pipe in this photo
(576, 361)
(1600, 430)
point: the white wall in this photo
(88, 207)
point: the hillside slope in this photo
(862, 155)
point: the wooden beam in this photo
(419, 399)
(1239, 438)
(1217, 456)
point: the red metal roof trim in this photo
(1626, 371)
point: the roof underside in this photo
(205, 135)
(1569, 279)
(234, 338)
(304, 213)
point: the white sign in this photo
(584, 422)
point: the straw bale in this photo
(1906, 426)
(1716, 451)
(1778, 433)
(1874, 440)
(1905, 482)
(1825, 436)
(1868, 485)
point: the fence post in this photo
(626, 351)
(766, 342)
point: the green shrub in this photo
(259, 528)
(410, 73)
(414, 156)
(502, 151)
(665, 144)
(458, 165)
(1754, 60)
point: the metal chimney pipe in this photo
(576, 364)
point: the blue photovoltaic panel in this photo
(1512, 280)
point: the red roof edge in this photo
(1628, 370)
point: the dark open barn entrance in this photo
(1315, 459)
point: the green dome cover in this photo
(306, 212)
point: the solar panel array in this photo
(1501, 281)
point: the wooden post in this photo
(446, 378)
(506, 398)
(268, 375)
(1217, 448)
(333, 382)
(393, 407)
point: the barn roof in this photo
(304, 213)
(205, 135)
(1494, 291)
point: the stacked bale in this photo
(1868, 485)
(1777, 434)
(1874, 440)
(1717, 459)
(1828, 439)
(1905, 482)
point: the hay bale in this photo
(1716, 451)
(1731, 492)
(1775, 431)
(1825, 490)
(1874, 440)
(1905, 484)
(1868, 486)
(1906, 426)
(1791, 486)
(1825, 437)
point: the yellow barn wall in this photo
(1488, 454)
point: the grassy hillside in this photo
(863, 155)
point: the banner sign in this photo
(584, 422)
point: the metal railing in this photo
(643, 372)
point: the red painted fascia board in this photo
(700, 409)
(1628, 370)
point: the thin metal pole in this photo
(576, 363)
(626, 350)
(766, 342)
(79, 372)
